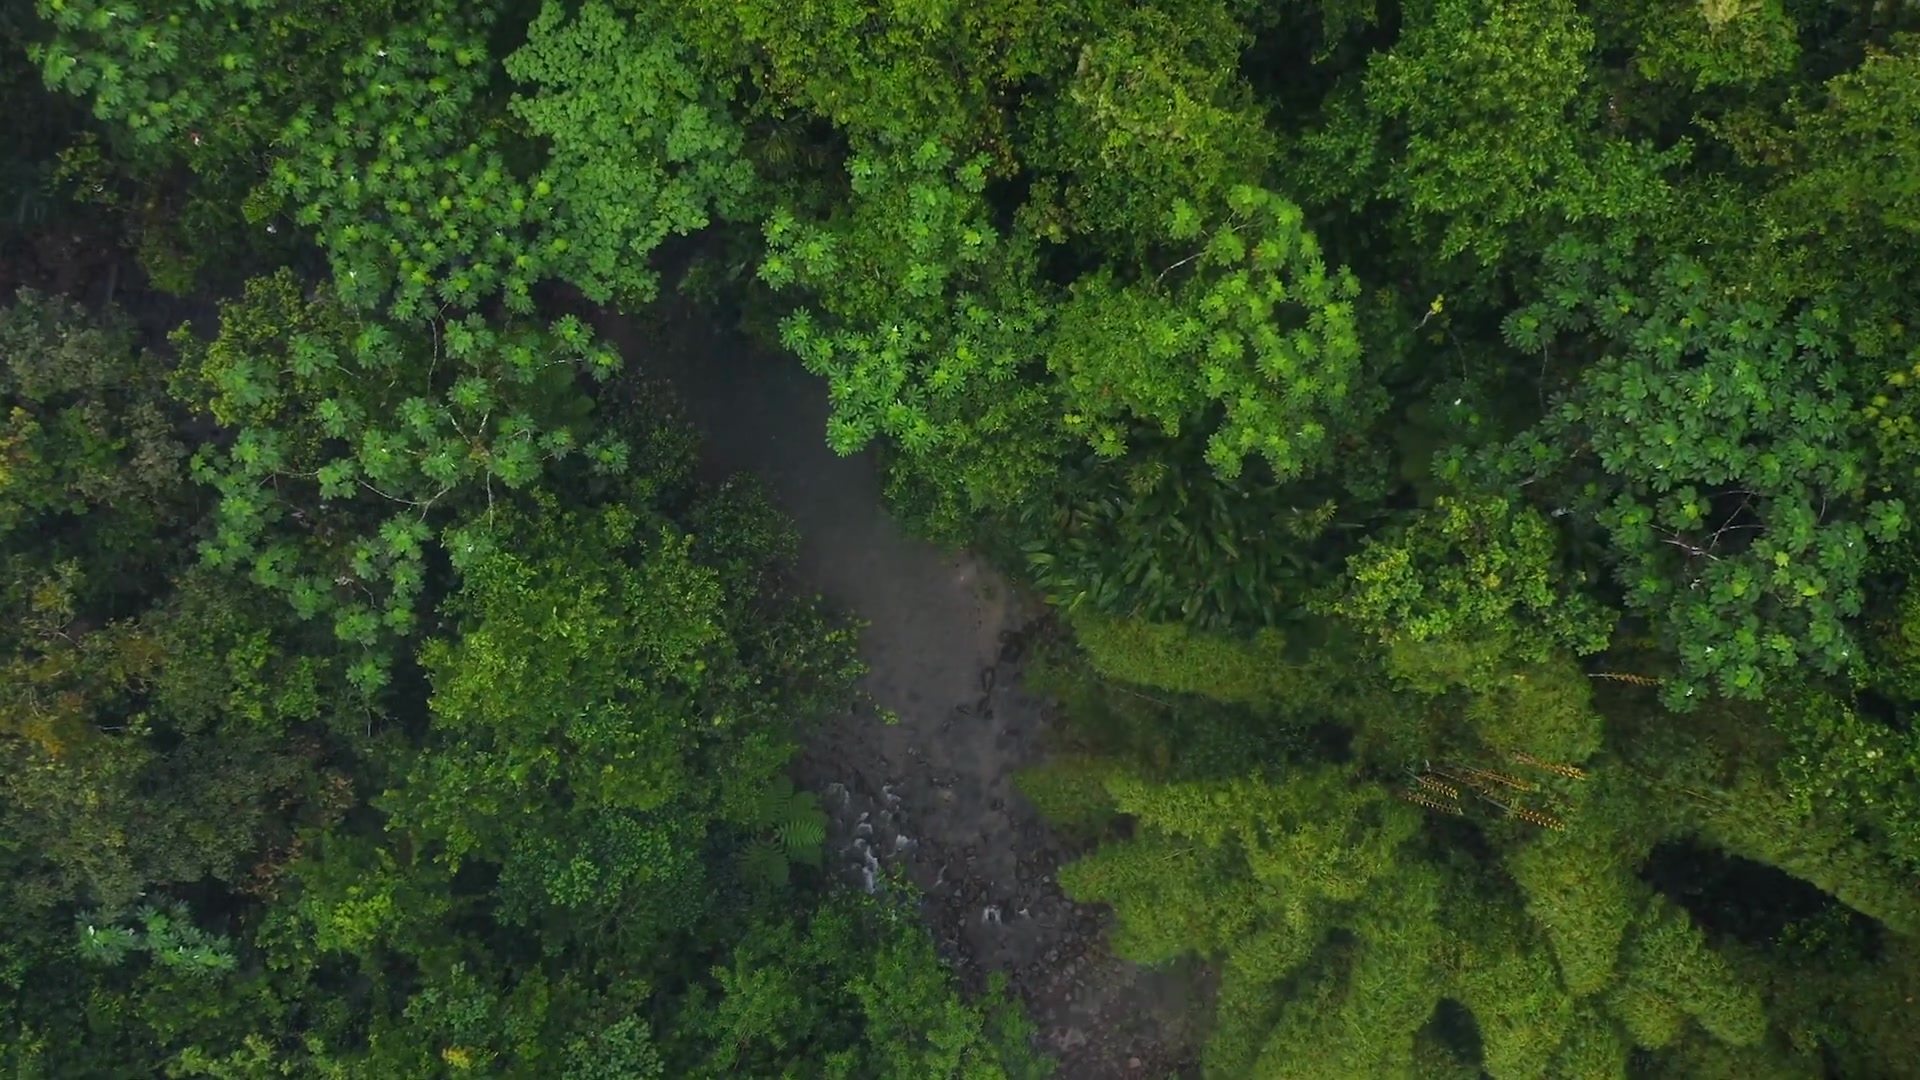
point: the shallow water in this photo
(932, 794)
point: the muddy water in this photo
(929, 796)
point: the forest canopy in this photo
(1466, 449)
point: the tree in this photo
(853, 990)
(640, 146)
(1263, 332)
(1153, 114)
(92, 463)
(355, 443)
(927, 319)
(144, 749)
(1473, 568)
(1710, 441)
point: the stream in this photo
(931, 795)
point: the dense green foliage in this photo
(379, 699)
(1471, 444)
(539, 849)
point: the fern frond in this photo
(1571, 772)
(1431, 803)
(776, 801)
(1616, 676)
(763, 862)
(804, 829)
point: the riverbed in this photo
(928, 791)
